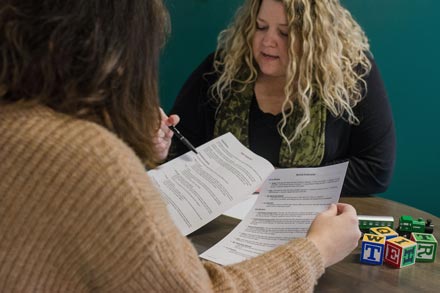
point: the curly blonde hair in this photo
(332, 66)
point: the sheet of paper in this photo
(200, 187)
(286, 206)
(240, 210)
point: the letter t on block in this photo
(372, 249)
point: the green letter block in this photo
(426, 246)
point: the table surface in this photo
(350, 274)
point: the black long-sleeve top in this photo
(369, 146)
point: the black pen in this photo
(182, 138)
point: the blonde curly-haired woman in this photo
(294, 80)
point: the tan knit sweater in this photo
(78, 213)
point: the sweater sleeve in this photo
(372, 143)
(152, 256)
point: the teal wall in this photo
(403, 35)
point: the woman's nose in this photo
(269, 39)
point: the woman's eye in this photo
(261, 27)
(284, 34)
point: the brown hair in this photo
(93, 59)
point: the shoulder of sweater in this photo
(42, 129)
(83, 159)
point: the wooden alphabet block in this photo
(426, 246)
(372, 249)
(384, 231)
(400, 252)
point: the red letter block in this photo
(400, 252)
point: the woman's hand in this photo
(335, 232)
(162, 140)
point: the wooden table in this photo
(350, 275)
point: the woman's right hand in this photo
(162, 140)
(335, 232)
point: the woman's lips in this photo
(268, 56)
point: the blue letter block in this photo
(372, 249)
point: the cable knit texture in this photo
(78, 213)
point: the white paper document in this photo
(200, 187)
(286, 206)
(240, 210)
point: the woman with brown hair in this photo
(78, 116)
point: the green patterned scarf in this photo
(307, 150)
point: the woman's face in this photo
(271, 39)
